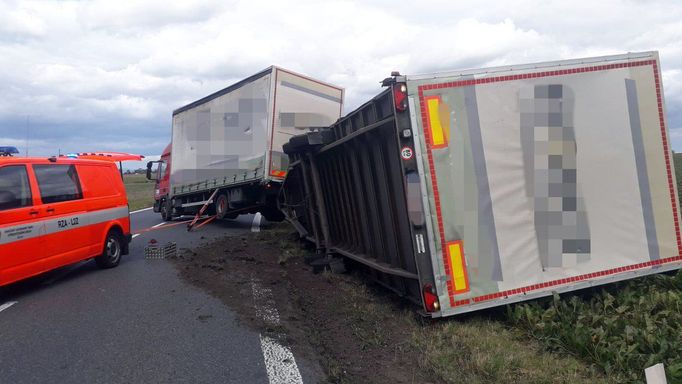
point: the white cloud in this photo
(97, 72)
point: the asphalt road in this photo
(137, 323)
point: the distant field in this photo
(140, 191)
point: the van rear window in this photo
(58, 183)
(15, 191)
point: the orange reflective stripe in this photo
(439, 136)
(458, 272)
(278, 173)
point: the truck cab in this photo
(161, 174)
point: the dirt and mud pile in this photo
(359, 332)
(325, 317)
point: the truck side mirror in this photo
(149, 170)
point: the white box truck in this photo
(472, 189)
(228, 145)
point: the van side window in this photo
(15, 191)
(58, 183)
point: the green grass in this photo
(140, 191)
(480, 350)
(474, 349)
(623, 328)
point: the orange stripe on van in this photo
(458, 272)
(278, 173)
(439, 137)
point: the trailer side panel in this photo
(224, 136)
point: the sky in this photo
(80, 76)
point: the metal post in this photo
(310, 212)
(321, 208)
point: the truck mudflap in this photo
(353, 190)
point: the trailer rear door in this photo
(547, 177)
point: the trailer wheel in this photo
(113, 249)
(221, 206)
(166, 210)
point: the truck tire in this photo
(221, 206)
(112, 250)
(166, 210)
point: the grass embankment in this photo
(140, 191)
(623, 328)
(473, 349)
(478, 348)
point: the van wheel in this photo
(113, 249)
(166, 211)
(221, 206)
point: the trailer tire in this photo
(221, 206)
(166, 210)
(112, 250)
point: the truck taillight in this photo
(400, 96)
(430, 299)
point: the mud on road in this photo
(324, 317)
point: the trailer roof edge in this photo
(536, 65)
(224, 91)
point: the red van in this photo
(57, 211)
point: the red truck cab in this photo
(162, 177)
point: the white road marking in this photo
(280, 363)
(136, 235)
(265, 304)
(159, 224)
(141, 210)
(11, 303)
(255, 227)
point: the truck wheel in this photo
(221, 206)
(113, 249)
(166, 211)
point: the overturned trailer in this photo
(468, 190)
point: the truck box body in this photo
(486, 187)
(236, 135)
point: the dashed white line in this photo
(280, 363)
(141, 210)
(136, 235)
(7, 305)
(159, 224)
(255, 227)
(265, 308)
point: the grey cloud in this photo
(107, 74)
